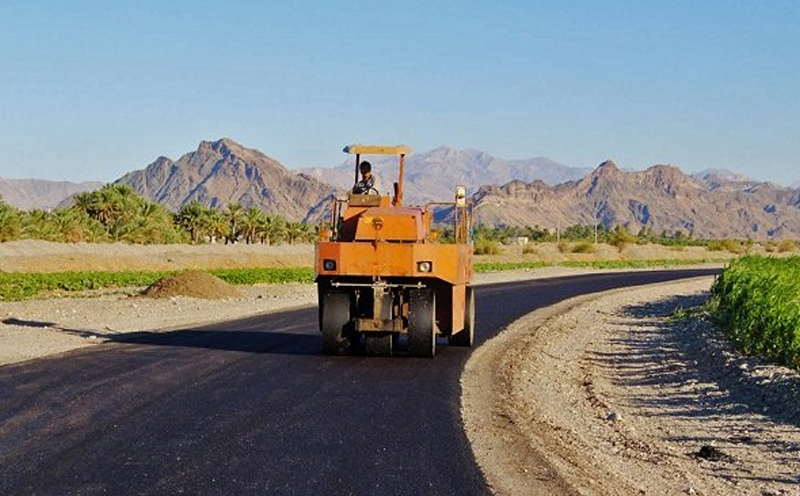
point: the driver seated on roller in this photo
(368, 185)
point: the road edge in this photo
(490, 429)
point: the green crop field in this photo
(588, 264)
(756, 300)
(21, 286)
(634, 264)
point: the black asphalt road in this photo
(252, 407)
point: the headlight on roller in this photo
(424, 266)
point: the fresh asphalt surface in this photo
(253, 407)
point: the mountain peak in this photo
(222, 145)
(223, 171)
(606, 168)
(665, 169)
(226, 147)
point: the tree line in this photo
(116, 213)
(613, 235)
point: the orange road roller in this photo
(384, 279)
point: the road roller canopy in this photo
(359, 149)
(399, 151)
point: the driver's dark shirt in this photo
(364, 186)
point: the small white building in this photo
(520, 240)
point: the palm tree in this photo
(68, 225)
(10, 223)
(191, 217)
(273, 229)
(253, 218)
(114, 205)
(218, 225)
(34, 224)
(151, 224)
(295, 231)
(235, 214)
(310, 233)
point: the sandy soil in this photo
(44, 256)
(612, 395)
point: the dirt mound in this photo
(195, 283)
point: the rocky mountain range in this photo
(222, 172)
(661, 198)
(714, 203)
(432, 175)
(26, 194)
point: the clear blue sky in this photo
(91, 89)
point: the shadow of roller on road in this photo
(282, 343)
(209, 337)
(268, 342)
(284, 333)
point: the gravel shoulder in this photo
(611, 394)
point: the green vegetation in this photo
(116, 213)
(632, 264)
(756, 300)
(277, 275)
(787, 246)
(729, 245)
(485, 246)
(21, 286)
(583, 247)
(498, 266)
(617, 235)
(585, 264)
(621, 238)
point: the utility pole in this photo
(558, 230)
(596, 215)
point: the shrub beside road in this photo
(757, 302)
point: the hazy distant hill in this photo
(661, 198)
(722, 175)
(725, 179)
(27, 194)
(223, 171)
(432, 175)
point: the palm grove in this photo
(116, 213)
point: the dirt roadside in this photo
(611, 395)
(44, 256)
